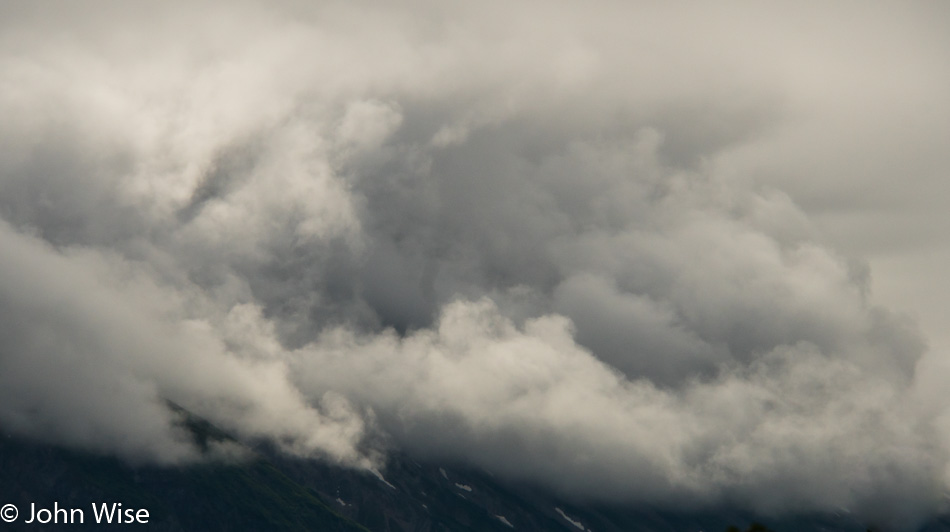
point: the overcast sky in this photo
(625, 251)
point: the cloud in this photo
(562, 246)
(93, 350)
(794, 429)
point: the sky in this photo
(630, 252)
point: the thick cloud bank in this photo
(535, 239)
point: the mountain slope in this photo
(273, 492)
(251, 496)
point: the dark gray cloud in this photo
(564, 245)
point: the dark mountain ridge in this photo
(271, 491)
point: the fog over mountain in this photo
(583, 246)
